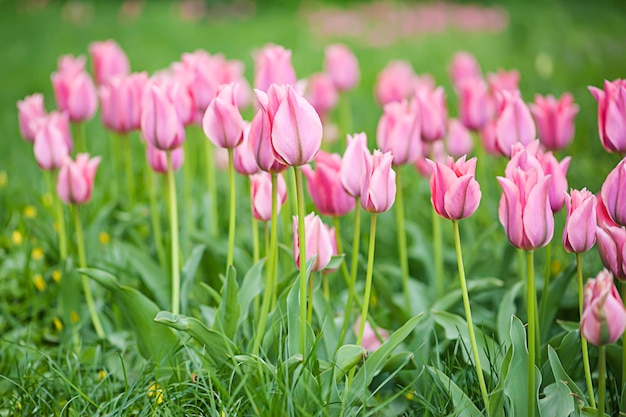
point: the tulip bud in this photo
(433, 112)
(614, 193)
(222, 122)
(370, 340)
(604, 316)
(395, 82)
(475, 108)
(261, 194)
(514, 122)
(261, 143)
(160, 124)
(352, 168)
(378, 190)
(272, 65)
(109, 60)
(318, 242)
(342, 66)
(322, 94)
(579, 234)
(503, 80)
(455, 193)
(75, 94)
(243, 156)
(463, 67)
(52, 142)
(458, 141)
(612, 115)
(611, 239)
(555, 120)
(324, 186)
(76, 178)
(157, 159)
(399, 132)
(28, 111)
(121, 99)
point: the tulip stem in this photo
(546, 283)
(130, 181)
(404, 260)
(233, 212)
(79, 136)
(531, 331)
(344, 267)
(212, 188)
(309, 311)
(302, 256)
(468, 315)
(156, 224)
(583, 340)
(368, 279)
(171, 185)
(256, 252)
(49, 176)
(270, 268)
(82, 263)
(187, 190)
(354, 266)
(438, 253)
(601, 379)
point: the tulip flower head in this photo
(160, 124)
(611, 240)
(53, 142)
(459, 140)
(318, 242)
(555, 120)
(579, 234)
(370, 339)
(121, 99)
(243, 156)
(455, 193)
(157, 159)
(463, 67)
(433, 112)
(604, 316)
(342, 67)
(222, 122)
(261, 193)
(614, 193)
(272, 65)
(322, 93)
(109, 60)
(399, 130)
(76, 178)
(74, 90)
(29, 111)
(352, 169)
(612, 114)
(475, 106)
(514, 122)
(378, 190)
(395, 82)
(324, 186)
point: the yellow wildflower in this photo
(102, 374)
(4, 179)
(30, 212)
(39, 282)
(104, 238)
(409, 395)
(56, 275)
(16, 238)
(373, 300)
(74, 317)
(36, 254)
(555, 266)
(58, 324)
(154, 390)
(47, 200)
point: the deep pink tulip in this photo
(75, 92)
(395, 82)
(611, 240)
(378, 190)
(52, 142)
(244, 160)
(318, 242)
(222, 122)
(604, 316)
(475, 108)
(455, 193)
(514, 122)
(76, 178)
(157, 159)
(261, 194)
(614, 193)
(120, 102)
(459, 140)
(353, 168)
(399, 130)
(28, 111)
(433, 112)
(322, 94)
(579, 234)
(612, 114)
(272, 65)
(370, 341)
(160, 124)
(324, 186)
(555, 120)
(109, 60)
(463, 67)
(341, 65)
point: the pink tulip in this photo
(244, 160)
(378, 190)
(433, 112)
(475, 108)
(74, 91)
(555, 120)
(272, 65)
(399, 131)
(157, 159)
(488, 138)
(612, 115)
(579, 234)
(109, 60)
(52, 142)
(395, 82)
(370, 340)
(261, 193)
(177, 87)
(120, 99)
(203, 75)
(459, 140)
(160, 124)
(353, 167)
(322, 93)
(514, 122)
(611, 239)
(614, 193)
(318, 242)
(222, 122)
(558, 171)
(463, 67)
(604, 316)
(435, 151)
(76, 178)
(455, 193)
(324, 186)
(261, 143)
(341, 65)
(28, 111)
(68, 64)
(504, 80)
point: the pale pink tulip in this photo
(604, 316)
(261, 194)
(160, 124)
(76, 178)
(433, 112)
(579, 234)
(318, 242)
(272, 65)
(614, 193)
(324, 186)
(157, 159)
(108, 60)
(399, 130)
(395, 82)
(455, 193)
(52, 142)
(514, 122)
(121, 99)
(29, 111)
(378, 190)
(222, 122)
(459, 140)
(243, 156)
(462, 68)
(611, 240)
(322, 93)
(555, 120)
(612, 114)
(342, 67)
(475, 108)
(74, 90)
(353, 166)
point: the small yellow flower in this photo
(30, 212)
(4, 179)
(19, 404)
(58, 324)
(373, 300)
(409, 395)
(155, 391)
(56, 275)
(37, 254)
(102, 374)
(40, 284)
(16, 238)
(74, 317)
(104, 238)
(47, 200)
(555, 266)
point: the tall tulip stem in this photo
(171, 185)
(128, 164)
(368, 279)
(233, 211)
(583, 340)
(354, 266)
(82, 263)
(531, 300)
(156, 223)
(401, 233)
(79, 136)
(468, 314)
(438, 252)
(546, 283)
(601, 379)
(60, 218)
(302, 256)
(212, 188)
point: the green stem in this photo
(58, 206)
(187, 191)
(171, 185)
(270, 266)
(128, 160)
(212, 188)
(344, 267)
(601, 379)
(79, 137)
(302, 256)
(233, 212)
(309, 311)
(354, 266)
(546, 283)
(583, 340)
(401, 233)
(82, 263)
(438, 253)
(256, 251)
(368, 279)
(531, 332)
(468, 315)
(345, 115)
(156, 224)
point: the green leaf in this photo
(562, 376)
(453, 298)
(506, 310)
(463, 405)
(187, 276)
(228, 311)
(347, 357)
(155, 342)
(555, 294)
(558, 401)
(335, 262)
(496, 397)
(250, 288)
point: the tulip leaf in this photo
(558, 401)
(335, 262)
(496, 397)
(347, 357)
(453, 298)
(463, 405)
(187, 276)
(562, 376)
(555, 294)
(250, 288)
(155, 342)
(506, 310)
(228, 312)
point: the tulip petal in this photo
(538, 218)
(510, 212)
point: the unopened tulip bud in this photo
(555, 120)
(579, 234)
(76, 178)
(455, 193)
(222, 122)
(342, 66)
(612, 114)
(261, 193)
(604, 316)
(324, 186)
(109, 60)
(318, 242)
(399, 130)
(272, 65)
(353, 168)
(614, 193)
(378, 190)
(157, 159)
(28, 111)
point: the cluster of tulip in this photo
(287, 131)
